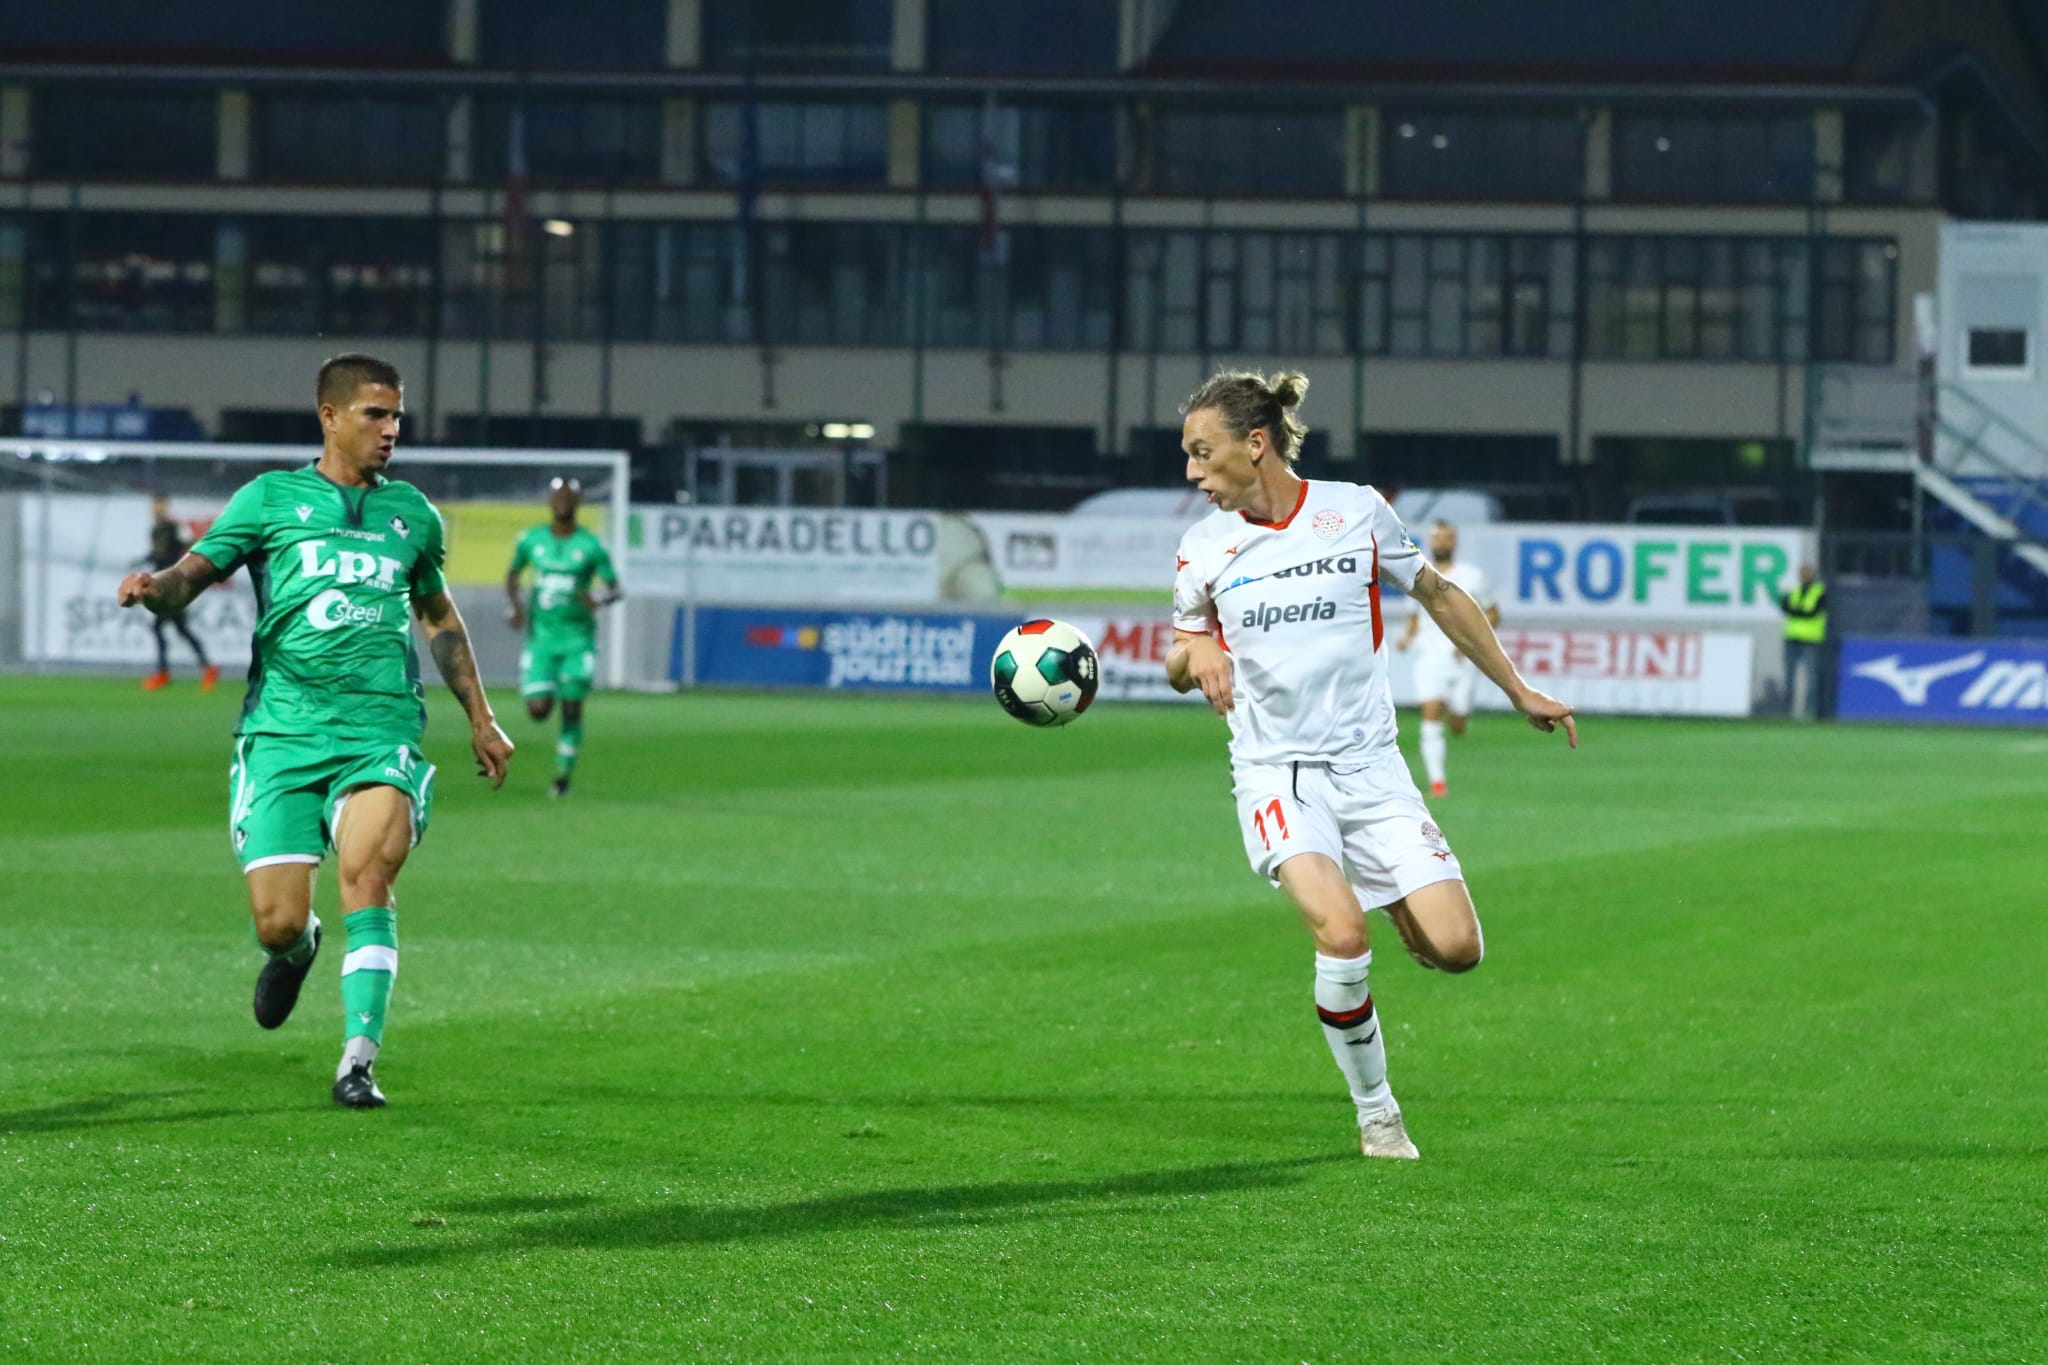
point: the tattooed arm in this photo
(171, 591)
(448, 642)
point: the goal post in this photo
(82, 510)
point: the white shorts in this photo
(1447, 678)
(1368, 820)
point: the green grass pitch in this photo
(840, 1028)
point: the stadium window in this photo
(586, 141)
(342, 139)
(956, 287)
(1485, 298)
(704, 283)
(546, 35)
(1031, 147)
(1180, 285)
(1888, 158)
(1293, 293)
(1142, 303)
(1999, 351)
(1858, 285)
(798, 35)
(833, 284)
(1432, 154)
(1750, 158)
(1263, 152)
(362, 277)
(1427, 287)
(976, 38)
(1375, 285)
(92, 134)
(13, 271)
(629, 279)
(815, 143)
(1687, 298)
(1060, 290)
(1219, 293)
(122, 272)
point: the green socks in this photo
(565, 751)
(366, 976)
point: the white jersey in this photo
(1296, 602)
(1430, 640)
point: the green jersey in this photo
(557, 610)
(335, 570)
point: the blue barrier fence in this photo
(1949, 682)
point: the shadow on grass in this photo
(108, 1111)
(519, 1203)
(678, 1225)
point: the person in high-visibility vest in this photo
(1806, 639)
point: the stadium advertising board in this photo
(1686, 574)
(1603, 672)
(1948, 682)
(1540, 571)
(1612, 672)
(77, 547)
(1041, 552)
(853, 651)
(788, 554)
(1621, 672)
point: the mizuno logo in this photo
(1912, 684)
(304, 511)
(1361, 1042)
(1235, 548)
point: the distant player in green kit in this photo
(327, 752)
(560, 657)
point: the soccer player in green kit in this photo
(560, 657)
(327, 751)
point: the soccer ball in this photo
(1044, 672)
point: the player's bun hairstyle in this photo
(344, 374)
(1247, 400)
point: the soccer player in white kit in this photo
(1443, 676)
(1277, 620)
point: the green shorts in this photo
(549, 668)
(287, 792)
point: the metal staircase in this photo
(1971, 453)
(1985, 469)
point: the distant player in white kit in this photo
(1443, 676)
(1277, 620)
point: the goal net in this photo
(75, 516)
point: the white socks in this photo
(1433, 749)
(359, 1049)
(1352, 1029)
